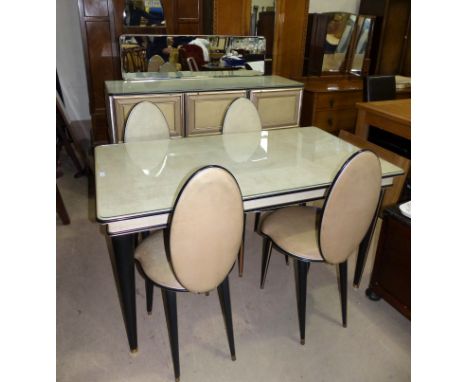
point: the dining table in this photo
(393, 116)
(137, 184)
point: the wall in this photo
(70, 60)
(319, 6)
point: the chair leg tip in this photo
(240, 274)
(302, 341)
(134, 351)
(345, 325)
(177, 379)
(233, 357)
(150, 313)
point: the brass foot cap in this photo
(240, 274)
(355, 286)
(233, 357)
(302, 341)
(134, 351)
(177, 379)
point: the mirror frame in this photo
(315, 46)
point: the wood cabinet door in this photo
(171, 105)
(204, 112)
(278, 108)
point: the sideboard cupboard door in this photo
(169, 104)
(204, 112)
(278, 108)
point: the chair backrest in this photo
(205, 229)
(194, 51)
(350, 206)
(379, 88)
(155, 63)
(167, 67)
(145, 122)
(241, 116)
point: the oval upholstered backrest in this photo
(205, 229)
(241, 116)
(145, 122)
(350, 206)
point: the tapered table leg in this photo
(365, 244)
(124, 261)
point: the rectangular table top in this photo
(135, 180)
(398, 110)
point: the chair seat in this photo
(294, 230)
(152, 257)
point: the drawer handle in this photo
(332, 102)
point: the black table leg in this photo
(124, 261)
(365, 243)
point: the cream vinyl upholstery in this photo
(350, 207)
(347, 214)
(206, 229)
(145, 122)
(241, 116)
(205, 233)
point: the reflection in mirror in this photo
(337, 40)
(175, 56)
(364, 32)
(142, 13)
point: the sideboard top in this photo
(199, 84)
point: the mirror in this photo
(337, 40)
(171, 56)
(364, 33)
(337, 43)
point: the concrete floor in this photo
(92, 343)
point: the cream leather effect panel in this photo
(242, 116)
(206, 229)
(145, 122)
(350, 207)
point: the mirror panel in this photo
(173, 56)
(340, 28)
(360, 62)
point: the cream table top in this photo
(137, 183)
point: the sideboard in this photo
(196, 106)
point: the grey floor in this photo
(92, 343)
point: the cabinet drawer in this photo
(336, 100)
(169, 104)
(204, 112)
(278, 108)
(334, 121)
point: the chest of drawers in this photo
(331, 106)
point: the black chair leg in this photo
(257, 221)
(240, 256)
(266, 254)
(343, 276)
(301, 289)
(170, 307)
(286, 259)
(149, 295)
(225, 301)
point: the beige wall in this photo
(319, 6)
(70, 60)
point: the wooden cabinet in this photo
(390, 52)
(391, 275)
(171, 105)
(278, 108)
(331, 106)
(204, 111)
